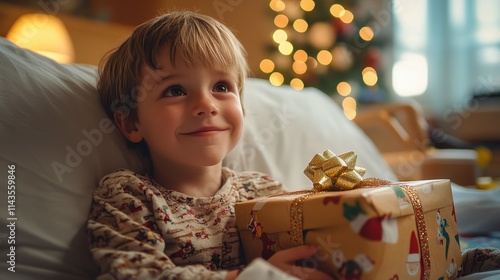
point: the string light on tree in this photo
(369, 76)
(344, 88)
(297, 83)
(277, 5)
(300, 25)
(276, 79)
(266, 66)
(329, 44)
(349, 105)
(281, 21)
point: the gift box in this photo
(376, 230)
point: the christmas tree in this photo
(332, 45)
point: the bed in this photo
(57, 143)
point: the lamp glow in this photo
(43, 34)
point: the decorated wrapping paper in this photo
(402, 230)
(363, 233)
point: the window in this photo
(445, 51)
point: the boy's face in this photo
(190, 115)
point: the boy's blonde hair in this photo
(196, 39)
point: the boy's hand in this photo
(286, 259)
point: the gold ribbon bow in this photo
(330, 172)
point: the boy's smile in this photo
(205, 131)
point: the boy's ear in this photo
(127, 127)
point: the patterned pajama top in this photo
(140, 230)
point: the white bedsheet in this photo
(477, 210)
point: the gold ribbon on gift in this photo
(423, 238)
(330, 172)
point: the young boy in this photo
(174, 90)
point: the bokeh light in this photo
(370, 76)
(300, 25)
(347, 17)
(280, 36)
(300, 55)
(324, 57)
(276, 79)
(266, 65)
(277, 5)
(366, 33)
(344, 88)
(297, 84)
(349, 106)
(281, 21)
(337, 10)
(299, 67)
(285, 48)
(307, 5)
(312, 63)
(321, 35)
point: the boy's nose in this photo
(205, 105)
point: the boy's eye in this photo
(173, 91)
(221, 87)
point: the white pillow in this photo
(285, 128)
(61, 143)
